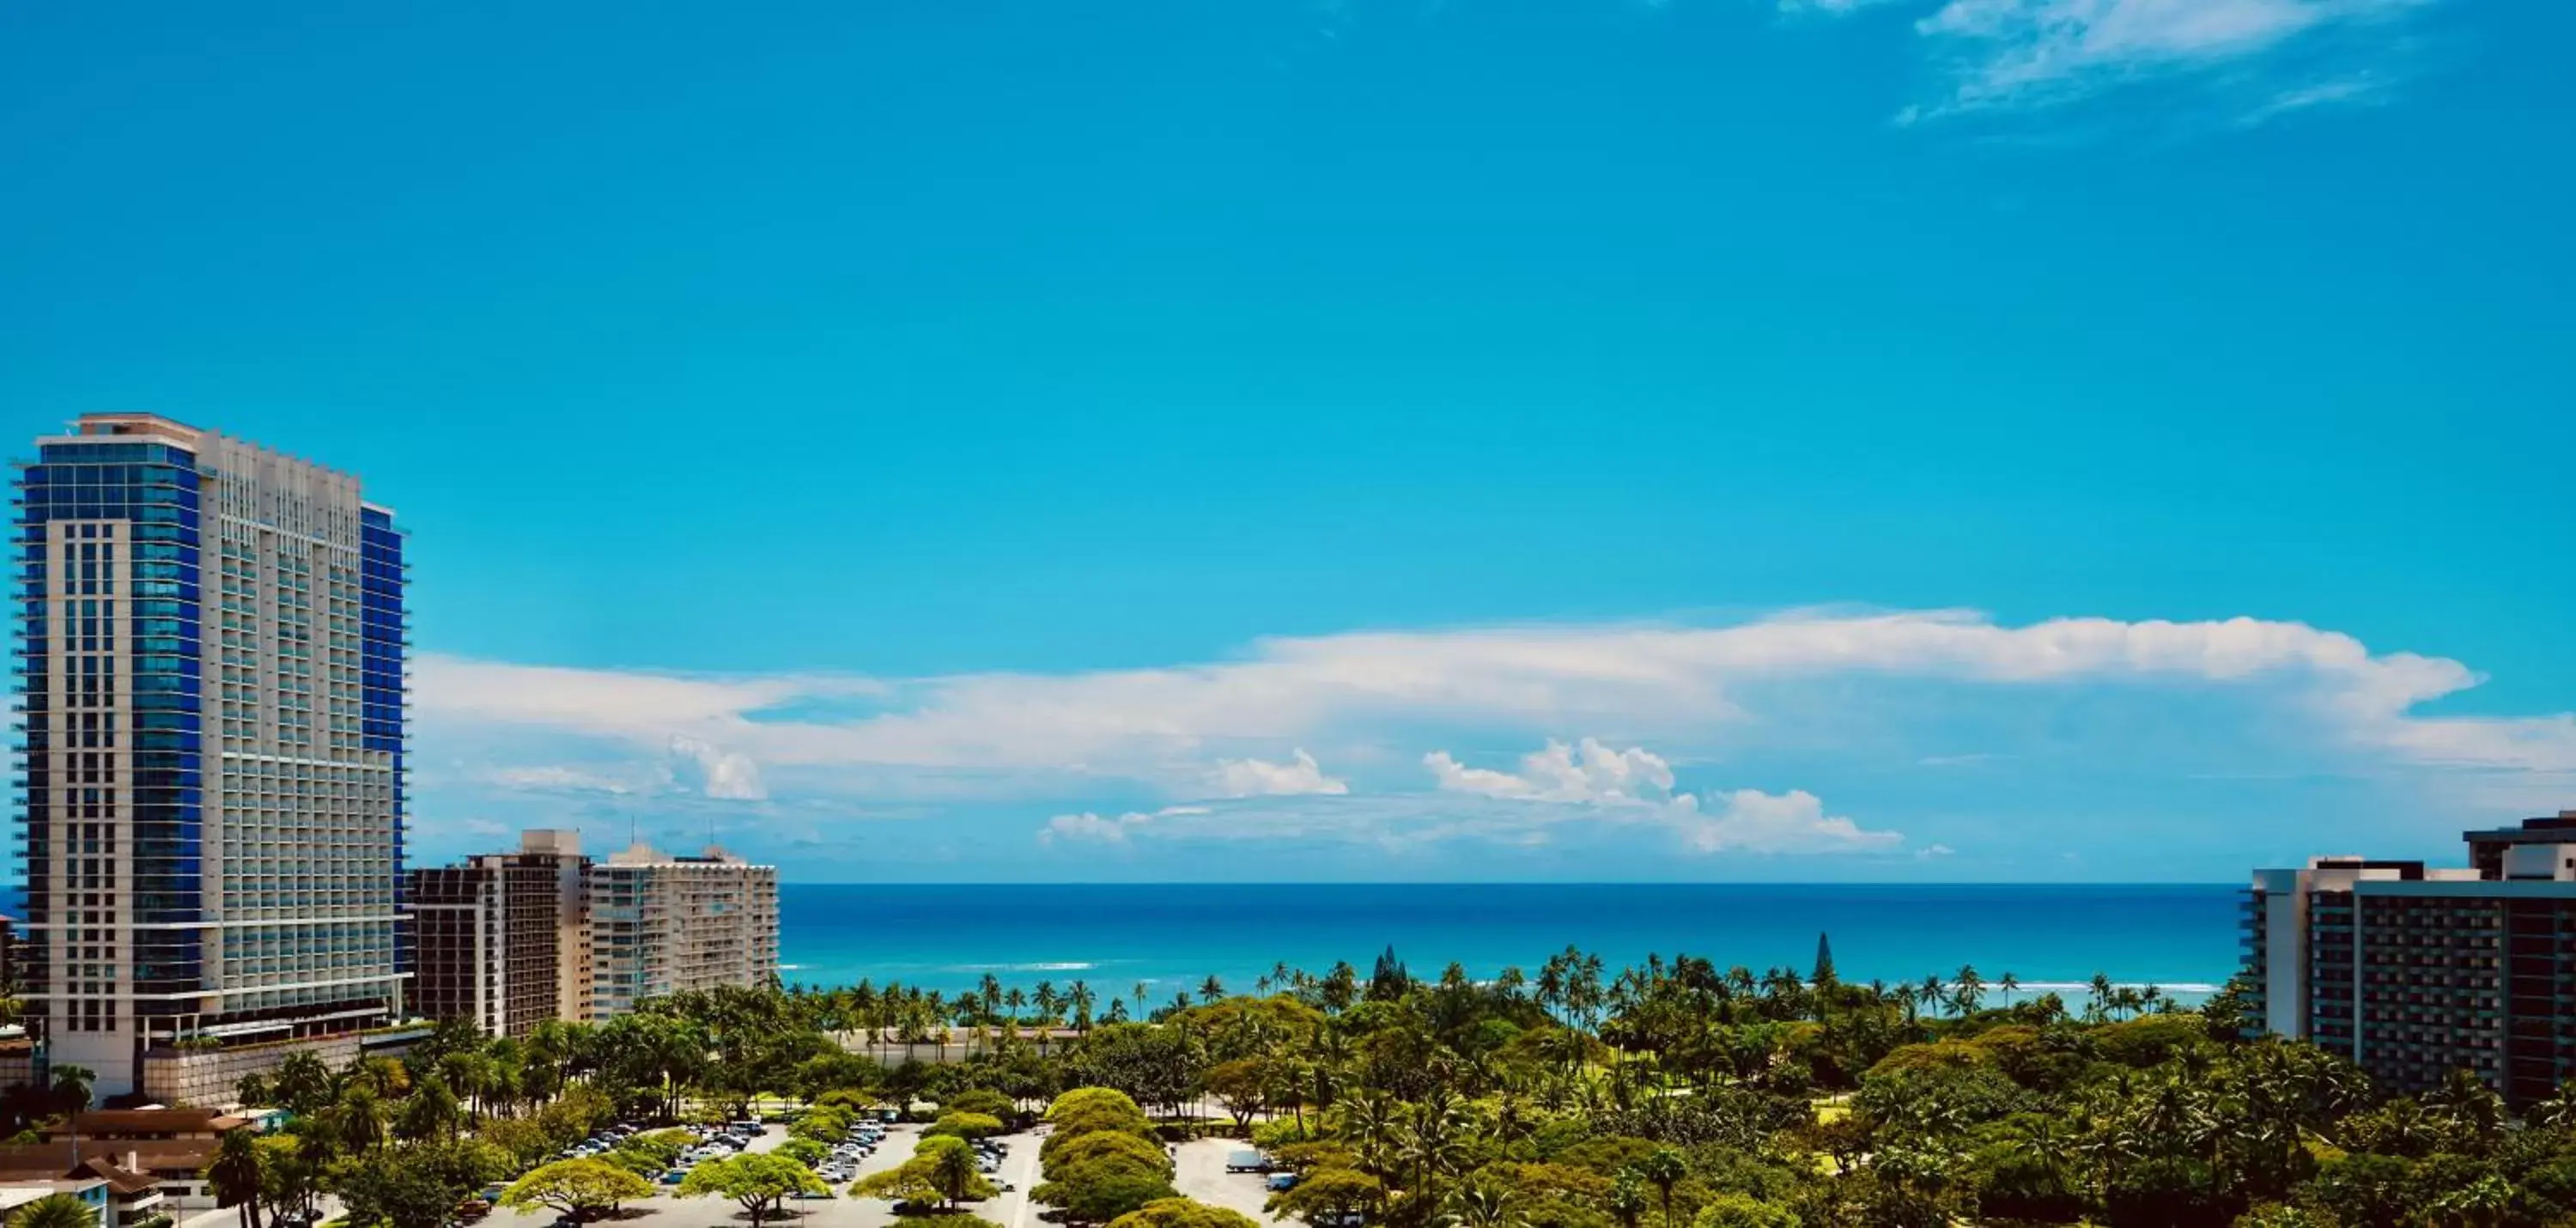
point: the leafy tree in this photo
(1325, 1197)
(1742, 1211)
(982, 1100)
(1103, 1190)
(291, 1171)
(941, 1170)
(1182, 1213)
(414, 1186)
(804, 1151)
(965, 1125)
(761, 1183)
(582, 1189)
(1106, 1144)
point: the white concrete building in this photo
(661, 924)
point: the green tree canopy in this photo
(582, 1189)
(1087, 1148)
(1182, 1213)
(759, 1182)
(941, 1170)
(965, 1125)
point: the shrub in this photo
(1740, 1211)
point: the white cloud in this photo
(2360, 89)
(1590, 780)
(554, 778)
(1256, 778)
(2024, 52)
(1670, 683)
(1091, 826)
(716, 772)
(1753, 821)
(1588, 772)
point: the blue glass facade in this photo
(382, 635)
(79, 504)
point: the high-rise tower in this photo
(211, 642)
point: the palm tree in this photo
(1628, 1200)
(1663, 1169)
(359, 1120)
(235, 1175)
(1371, 1122)
(1211, 990)
(953, 1173)
(71, 1090)
(1934, 993)
(2557, 1112)
(55, 1211)
(2099, 1008)
(2010, 985)
(1080, 1000)
(1968, 990)
(1482, 1205)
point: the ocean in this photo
(2184, 939)
(1171, 937)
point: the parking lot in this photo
(1201, 1175)
(1011, 1210)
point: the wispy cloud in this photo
(1997, 54)
(2360, 89)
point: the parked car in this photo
(1281, 1182)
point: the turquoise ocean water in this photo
(948, 937)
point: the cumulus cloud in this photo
(715, 772)
(1108, 829)
(1087, 825)
(1753, 821)
(1256, 778)
(1157, 725)
(1587, 772)
(2002, 53)
(1636, 785)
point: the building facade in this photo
(212, 645)
(2414, 972)
(496, 936)
(661, 924)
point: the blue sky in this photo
(1267, 439)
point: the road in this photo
(1201, 1175)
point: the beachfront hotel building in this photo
(2414, 972)
(662, 924)
(211, 689)
(503, 939)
